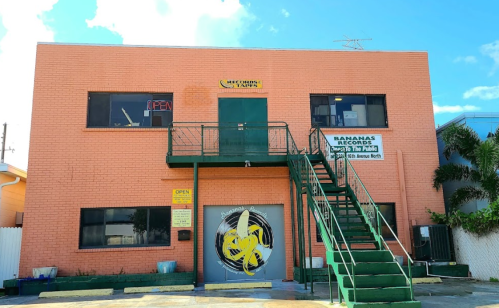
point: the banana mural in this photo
(245, 242)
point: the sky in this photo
(461, 38)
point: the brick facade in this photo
(73, 167)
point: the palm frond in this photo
(462, 140)
(487, 156)
(496, 136)
(465, 194)
(490, 183)
(454, 172)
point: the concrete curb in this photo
(426, 280)
(244, 285)
(157, 289)
(76, 293)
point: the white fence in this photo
(480, 253)
(10, 253)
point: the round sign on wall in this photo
(244, 242)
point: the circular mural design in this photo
(244, 242)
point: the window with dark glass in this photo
(388, 211)
(129, 110)
(118, 227)
(348, 110)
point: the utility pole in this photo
(4, 136)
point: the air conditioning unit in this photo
(19, 218)
(431, 243)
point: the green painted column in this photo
(195, 204)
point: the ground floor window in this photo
(125, 227)
(388, 211)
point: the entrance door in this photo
(243, 126)
(243, 243)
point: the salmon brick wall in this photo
(73, 167)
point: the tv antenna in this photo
(353, 43)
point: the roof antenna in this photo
(353, 43)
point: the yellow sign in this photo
(236, 84)
(181, 218)
(182, 196)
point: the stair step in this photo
(369, 268)
(354, 224)
(360, 256)
(391, 294)
(404, 304)
(356, 233)
(374, 281)
(356, 241)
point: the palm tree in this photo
(482, 174)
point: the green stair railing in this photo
(346, 176)
(214, 139)
(305, 175)
(325, 217)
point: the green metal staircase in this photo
(350, 224)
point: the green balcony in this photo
(228, 144)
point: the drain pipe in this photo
(439, 276)
(7, 184)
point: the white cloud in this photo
(285, 13)
(492, 50)
(467, 59)
(174, 22)
(453, 109)
(483, 92)
(273, 29)
(24, 26)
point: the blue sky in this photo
(461, 37)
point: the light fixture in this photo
(338, 99)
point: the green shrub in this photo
(480, 222)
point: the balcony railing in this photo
(228, 139)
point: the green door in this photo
(243, 126)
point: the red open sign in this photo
(159, 105)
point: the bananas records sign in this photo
(236, 84)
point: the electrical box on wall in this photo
(184, 235)
(431, 243)
(19, 218)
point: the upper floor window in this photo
(129, 110)
(348, 110)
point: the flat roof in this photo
(13, 171)
(229, 48)
(469, 115)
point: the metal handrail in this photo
(203, 138)
(326, 152)
(380, 235)
(320, 193)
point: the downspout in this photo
(195, 204)
(7, 184)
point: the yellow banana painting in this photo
(242, 242)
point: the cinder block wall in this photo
(72, 167)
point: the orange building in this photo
(101, 196)
(12, 193)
